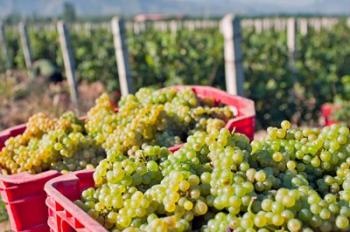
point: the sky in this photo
(188, 7)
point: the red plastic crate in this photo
(64, 215)
(62, 191)
(327, 109)
(23, 194)
(24, 197)
(244, 122)
(31, 186)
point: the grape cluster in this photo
(153, 190)
(308, 174)
(163, 117)
(295, 179)
(50, 143)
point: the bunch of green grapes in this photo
(295, 179)
(314, 151)
(163, 117)
(309, 175)
(50, 143)
(153, 190)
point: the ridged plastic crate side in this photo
(28, 215)
(64, 215)
(24, 197)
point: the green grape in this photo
(294, 225)
(342, 222)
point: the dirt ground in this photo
(5, 226)
(21, 97)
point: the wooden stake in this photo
(318, 25)
(291, 28)
(69, 63)
(231, 30)
(258, 25)
(303, 27)
(25, 45)
(121, 53)
(173, 27)
(3, 47)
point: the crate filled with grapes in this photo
(167, 116)
(149, 180)
(46, 147)
(295, 179)
(34, 153)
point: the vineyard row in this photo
(230, 27)
(275, 63)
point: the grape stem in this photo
(250, 205)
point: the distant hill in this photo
(188, 7)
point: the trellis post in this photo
(25, 45)
(121, 53)
(303, 27)
(69, 63)
(3, 46)
(231, 30)
(291, 39)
